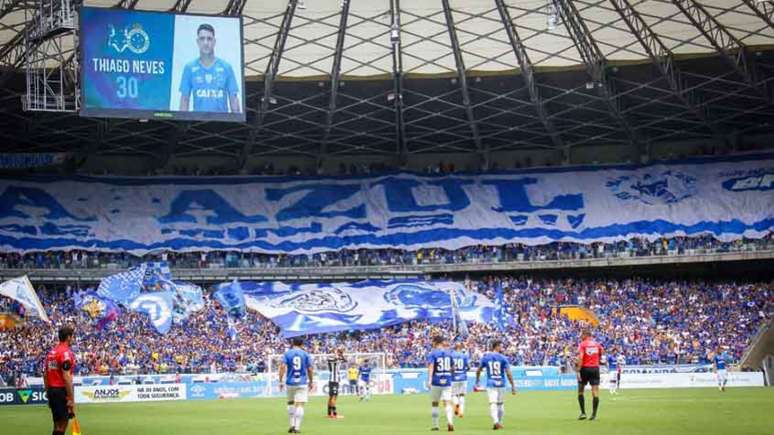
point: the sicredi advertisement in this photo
(146, 65)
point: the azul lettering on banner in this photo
(409, 211)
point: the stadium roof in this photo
(471, 76)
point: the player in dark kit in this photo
(58, 380)
(334, 368)
(587, 371)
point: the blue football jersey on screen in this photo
(210, 86)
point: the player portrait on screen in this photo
(208, 81)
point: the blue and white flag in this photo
(20, 289)
(124, 287)
(158, 306)
(155, 272)
(231, 297)
(319, 308)
(729, 197)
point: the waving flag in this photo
(98, 308)
(155, 272)
(123, 287)
(158, 306)
(20, 289)
(371, 304)
(231, 297)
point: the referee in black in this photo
(334, 368)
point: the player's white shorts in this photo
(438, 394)
(722, 376)
(496, 394)
(363, 384)
(459, 387)
(298, 394)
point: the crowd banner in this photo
(370, 304)
(400, 210)
(130, 393)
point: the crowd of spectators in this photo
(514, 252)
(647, 321)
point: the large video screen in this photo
(158, 65)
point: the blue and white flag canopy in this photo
(371, 304)
(730, 198)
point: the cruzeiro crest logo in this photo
(668, 187)
(134, 38)
(318, 300)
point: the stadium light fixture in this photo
(394, 34)
(552, 15)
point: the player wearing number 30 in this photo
(496, 365)
(210, 79)
(299, 380)
(439, 372)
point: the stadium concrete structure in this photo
(477, 83)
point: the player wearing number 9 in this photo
(210, 80)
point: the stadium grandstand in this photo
(252, 200)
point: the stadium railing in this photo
(345, 273)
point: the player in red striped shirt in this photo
(587, 371)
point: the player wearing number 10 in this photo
(299, 380)
(496, 365)
(210, 79)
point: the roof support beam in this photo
(272, 69)
(8, 6)
(595, 63)
(528, 72)
(397, 82)
(664, 61)
(234, 8)
(335, 81)
(463, 82)
(732, 50)
(126, 4)
(763, 9)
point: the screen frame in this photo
(165, 115)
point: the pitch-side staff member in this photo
(587, 372)
(58, 380)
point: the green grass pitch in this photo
(688, 411)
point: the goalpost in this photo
(381, 381)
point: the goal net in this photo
(380, 382)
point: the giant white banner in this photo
(729, 198)
(686, 380)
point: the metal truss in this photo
(527, 71)
(732, 50)
(434, 77)
(764, 9)
(664, 60)
(462, 79)
(595, 62)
